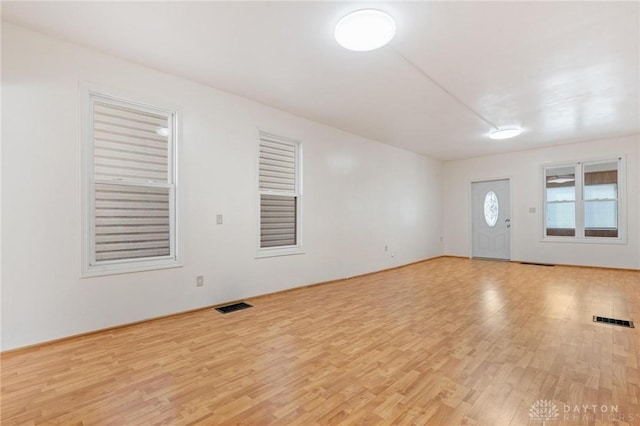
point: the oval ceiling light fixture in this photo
(506, 133)
(365, 29)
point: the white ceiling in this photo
(563, 71)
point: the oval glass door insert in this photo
(491, 209)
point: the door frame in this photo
(470, 211)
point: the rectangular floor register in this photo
(232, 308)
(613, 321)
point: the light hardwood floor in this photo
(447, 341)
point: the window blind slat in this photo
(123, 142)
(278, 221)
(131, 167)
(277, 145)
(132, 229)
(269, 212)
(144, 162)
(285, 239)
(143, 245)
(268, 177)
(284, 153)
(101, 108)
(272, 186)
(267, 163)
(278, 157)
(273, 182)
(287, 176)
(142, 134)
(288, 170)
(277, 210)
(130, 213)
(133, 254)
(279, 225)
(277, 243)
(275, 221)
(277, 231)
(121, 195)
(143, 172)
(129, 174)
(283, 221)
(126, 238)
(132, 204)
(111, 188)
(137, 125)
(129, 221)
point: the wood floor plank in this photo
(447, 341)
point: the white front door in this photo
(491, 219)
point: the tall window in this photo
(601, 199)
(130, 181)
(561, 201)
(280, 194)
(582, 200)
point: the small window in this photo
(582, 200)
(280, 195)
(491, 209)
(130, 180)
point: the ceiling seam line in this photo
(444, 89)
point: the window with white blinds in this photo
(279, 187)
(131, 184)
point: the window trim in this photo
(580, 201)
(298, 248)
(89, 268)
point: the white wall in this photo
(358, 196)
(524, 169)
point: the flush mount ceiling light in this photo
(499, 134)
(365, 30)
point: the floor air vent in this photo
(232, 308)
(613, 321)
(536, 264)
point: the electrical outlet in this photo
(386, 248)
(219, 219)
(199, 281)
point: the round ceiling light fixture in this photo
(506, 133)
(365, 29)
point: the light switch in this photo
(218, 219)
(532, 209)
